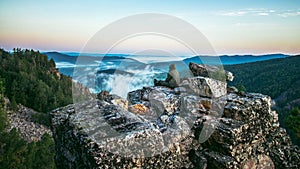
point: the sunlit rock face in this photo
(98, 134)
(200, 124)
(214, 72)
(205, 87)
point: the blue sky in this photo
(231, 26)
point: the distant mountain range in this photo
(59, 57)
(235, 59)
(224, 59)
(67, 61)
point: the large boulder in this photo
(248, 136)
(215, 72)
(99, 134)
(158, 99)
(205, 87)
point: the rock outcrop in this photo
(200, 124)
(210, 71)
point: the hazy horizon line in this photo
(222, 54)
(120, 53)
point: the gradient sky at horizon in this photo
(232, 26)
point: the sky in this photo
(231, 26)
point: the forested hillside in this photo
(15, 152)
(33, 81)
(29, 78)
(279, 78)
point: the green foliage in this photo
(13, 150)
(41, 154)
(293, 121)
(42, 118)
(3, 120)
(3, 115)
(295, 111)
(278, 78)
(241, 88)
(272, 77)
(1, 93)
(16, 153)
(31, 79)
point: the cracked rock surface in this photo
(204, 125)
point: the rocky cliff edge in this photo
(201, 124)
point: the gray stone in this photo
(205, 87)
(98, 134)
(232, 89)
(214, 72)
(229, 76)
(160, 99)
(201, 124)
(260, 161)
(22, 121)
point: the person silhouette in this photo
(172, 79)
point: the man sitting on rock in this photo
(172, 79)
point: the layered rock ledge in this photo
(200, 124)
